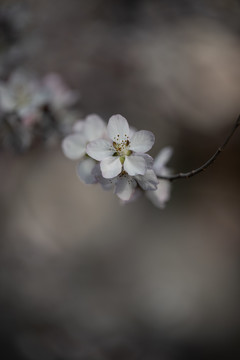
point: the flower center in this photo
(122, 148)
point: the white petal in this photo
(161, 160)
(125, 187)
(85, 171)
(118, 128)
(100, 149)
(110, 167)
(142, 141)
(74, 146)
(161, 195)
(135, 165)
(149, 181)
(94, 128)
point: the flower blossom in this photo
(122, 154)
(74, 146)
(114, 156)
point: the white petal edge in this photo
(149, 181)
(125, 187)
(94, 128)
(100, 149)
(110, 167)
(142, 141)
(74, 146)
(118, 128)
(85, 171)
(135, 165)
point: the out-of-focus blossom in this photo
(58, 94)
(123, 153)
(28, 107)
(161, 195)
(22, 95)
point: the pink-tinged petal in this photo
(110, 167)
(85, 171)
(148, 181)
(94, 128)
(135, 165)
(161, 195)
(78, 126)
(161, 160)
(100, 149)
(74, 146)
(142, 141)
(125, 187)
(118, 128)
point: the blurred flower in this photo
(124, 154)
(22, 95)
(37, 109)
(58, 94)
(161, 195)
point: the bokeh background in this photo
(82, 277)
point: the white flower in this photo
(125, 152)
(161, 195)
(22, 95)
(74, 145)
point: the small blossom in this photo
(124, 153)
(161, 195)
(58, 94)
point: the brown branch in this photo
(207, 163)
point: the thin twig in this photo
(207, 163)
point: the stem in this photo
(207, 163)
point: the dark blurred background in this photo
(82, 277)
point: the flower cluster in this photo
(33, 110)
(115, 156)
